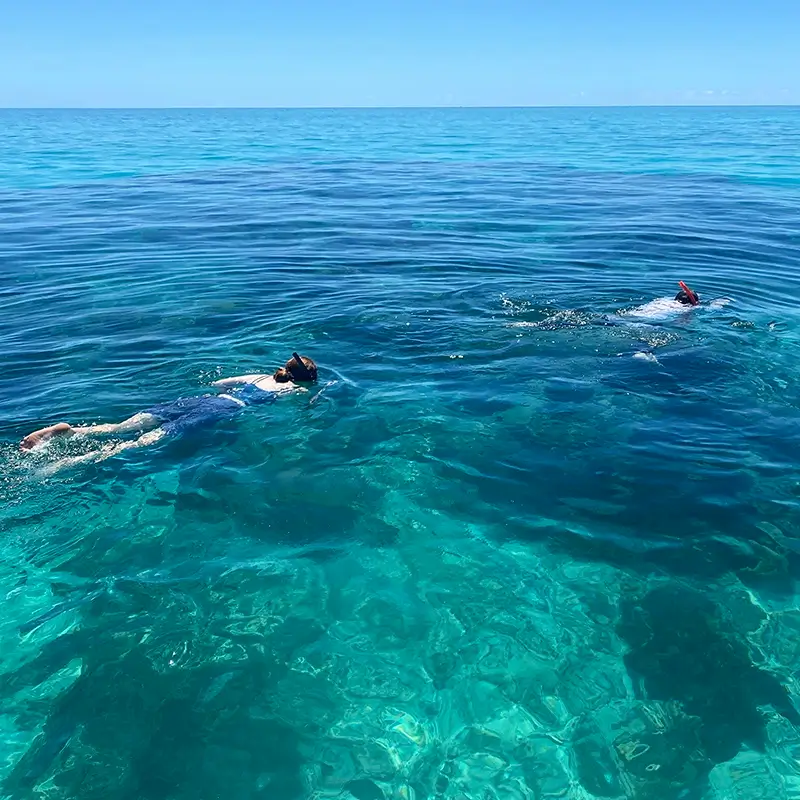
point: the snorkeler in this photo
(687, 296)
(187, 413)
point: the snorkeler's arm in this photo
(238, 380)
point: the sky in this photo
(332, 53)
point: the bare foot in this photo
(42, 435)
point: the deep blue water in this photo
(539, 540)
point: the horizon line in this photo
(398, 108)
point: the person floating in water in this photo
(187, 413)
(687, 296)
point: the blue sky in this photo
(77, 53)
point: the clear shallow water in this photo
(541, 538)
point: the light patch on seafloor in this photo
(524, 691)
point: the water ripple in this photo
(484, 561)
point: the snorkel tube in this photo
(305, 375)
(690, 295)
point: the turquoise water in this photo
(539, 540)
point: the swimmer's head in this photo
(298, 369)
(687, 296)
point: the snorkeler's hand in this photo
(43, 434)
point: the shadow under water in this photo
(681, 650)
(139, 723)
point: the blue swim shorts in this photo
(188, 413)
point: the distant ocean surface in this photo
(539, 536)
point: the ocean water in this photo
(538, 537)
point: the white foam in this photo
(568, 318)
(661, 308)
(720, 302)
(667, 308)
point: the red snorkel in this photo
(690, 295)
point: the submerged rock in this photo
(681, 651)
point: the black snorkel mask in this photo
(304, 374)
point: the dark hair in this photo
(305, 371)
(685, 299)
